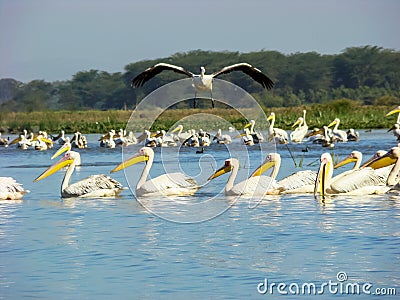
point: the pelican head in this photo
(377, 154)
(353, 157)
(270, 161)
(394, 127)
(271, 116)
(142, 155)
(179, 127)
(227, 167)
(385, 160)
(66, 160)
(298, 122)
(334, 122)
(65, 147)
(393, 111)
(324, 174)
(252, 122)
(202, 71)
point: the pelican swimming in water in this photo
(339, 135)
(276, 134)
(253, 186)
(386, 160)
(203, 82)
(181, 136)
(300, 132)
(297, 183)
(10, 189)
(170, 184)
(94, 186)
(365, 181)
(222, 138)
(66, 148)
(257, 137)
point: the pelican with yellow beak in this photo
(276, 134)
(170, 184)
(296, 183)
(339, 135)
(300, 132)
(66, 147)
(92, 187)
(257, 136)
(396, 126)
(365, 181)
(388, 159)
(253, 186)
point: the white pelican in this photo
(253, 186)
(222, 138)
(352, 135)
(339, 135)
(78, 141)
(390, 158)
(181, 136)
(170, 184)
(66, 148)
(276, 134)
(365, 181)
(300, 132)
(42, 143)
(247, 138)
(257, 137)
(296, 183)
(203, 82)
(11, 189)
(3, 141)
(94, 186)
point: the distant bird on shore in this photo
(203, 82)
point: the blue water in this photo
(124, 249)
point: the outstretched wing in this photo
(149, 73)
(248, 69)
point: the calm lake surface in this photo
(191, 248)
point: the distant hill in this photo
(8, 89)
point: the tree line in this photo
(370, 74)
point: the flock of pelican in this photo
(379, 174)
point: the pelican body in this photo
(297, 183)
(10, 189)
(253, 186)
(91, 187)
(276, 134)
(170, 184)
(202, 81)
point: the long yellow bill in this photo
(137, 158)
(393, 111)
(383, 161)
(264, 167)
(225, 169)
(296, 123)
(65, 147)
(345, 161)
(332, 123)
(64, 161)
(320, 183)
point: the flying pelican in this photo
(276, 134)
(170, 184)
(300, 132)
(340, 135)
(253, 186)
(10, 189)
(365, 181)
(203, 82)
(296, 183)
(94, 186)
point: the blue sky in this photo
(53, 39)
